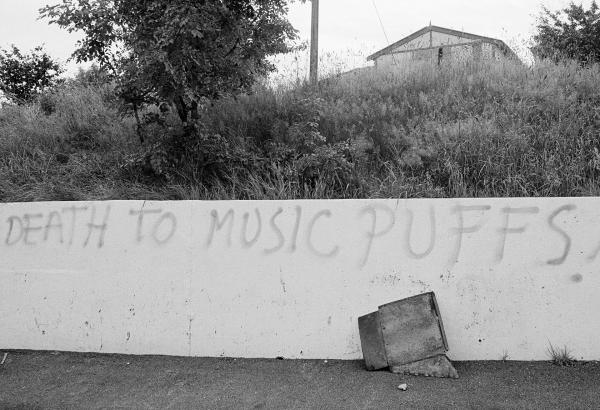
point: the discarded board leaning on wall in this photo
(408, 337)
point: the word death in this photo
(62, 226)
(87, 226)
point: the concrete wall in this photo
(455, 54)
(393, 60)
(452, 55)
(460, 54)
(493, 52)
(423, 41)
(266, 279)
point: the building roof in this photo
(389, 49)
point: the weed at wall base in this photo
(560, 356)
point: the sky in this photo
(349, 28)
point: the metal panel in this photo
(371, 340)
(411, 329)
(437, 366)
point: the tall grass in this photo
(474, 130)
(455, 131)
(72, 153)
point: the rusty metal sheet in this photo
(436, 310)
(371, 340)
(436, 366)
(412, 329)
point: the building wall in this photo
(458, 54)
(290, 278)
(436, 39)
(493, 52)
(390, 60)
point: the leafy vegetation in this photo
(471, 131)
(571, 33)
(188, 79)
(177, 51)
(24, 76)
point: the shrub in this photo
(24, 76)
(71, 154)
(471, 131)
(571, 33)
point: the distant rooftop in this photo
(387, 50)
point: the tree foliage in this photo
(24, 76)
(572, 33)
(178, 51)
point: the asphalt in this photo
(55, 380)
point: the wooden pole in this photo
(314, 44)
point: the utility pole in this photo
(314, 44)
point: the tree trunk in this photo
(182, 110)
(195, 114)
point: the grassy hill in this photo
(469, 131)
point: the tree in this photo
(91, 76)
(572, 33)
(24, 76)
(179, 51)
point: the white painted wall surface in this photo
(291, 278)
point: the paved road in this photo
(35, 380)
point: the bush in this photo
(72, 154)
(571, 33)
(469, 131)
(25, 76)
(478, 130)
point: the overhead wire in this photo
(383, 29)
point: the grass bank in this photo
(468, 131)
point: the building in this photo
(440, 46)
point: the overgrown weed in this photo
(475, 130)
(560, 356)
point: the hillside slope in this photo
(469, 131)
